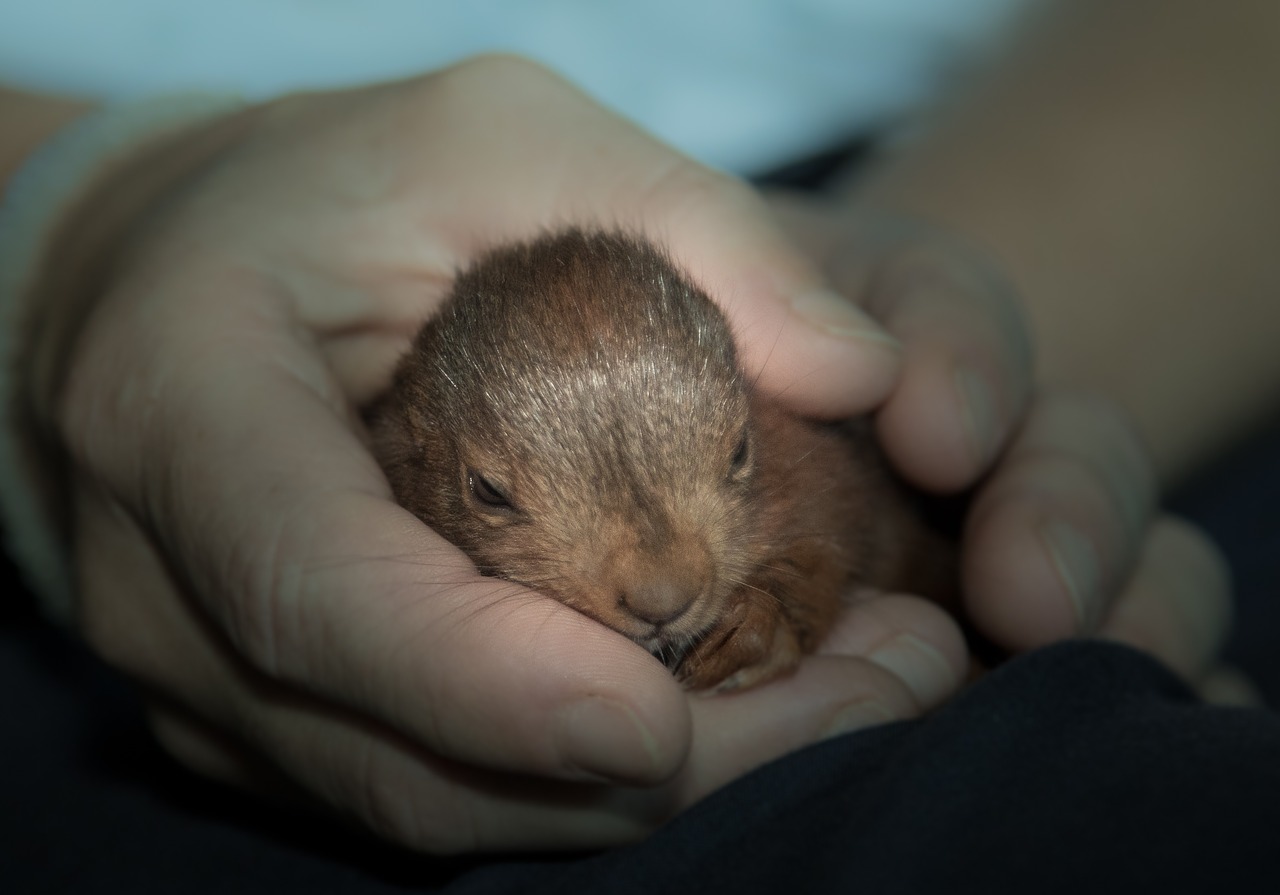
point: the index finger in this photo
(968, 363)
(803, 342)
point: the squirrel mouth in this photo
(669, 654)
(670, 647)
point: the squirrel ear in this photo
(740, 463)
(387, 430)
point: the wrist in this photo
(29, 120)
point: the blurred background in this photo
(744, 85)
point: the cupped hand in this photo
(238, 550)
(1062, 535)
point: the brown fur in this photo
(587, 382)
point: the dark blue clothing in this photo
(1085, 767)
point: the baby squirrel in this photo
(575, 420)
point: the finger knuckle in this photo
(1196, 552)
(961, 291)
(100, 398)
(112, 585)
(114, 643)
(1094, 408)
(1193, 582)
(1100, 434)
(484, 72)
(919, 267)
(262, 593)
(442, 825)
(688, 188)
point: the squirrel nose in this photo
(660, 599)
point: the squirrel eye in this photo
(741, 454)
(487, 492)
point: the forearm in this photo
(1123, 163)
(56, 262)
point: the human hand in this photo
(237, 547)
(1063, 536)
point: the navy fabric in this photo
(1084, 767)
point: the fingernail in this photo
(979, 411)
(857, 716)
(921, 667)
(605, 740)
(1076, 561)
(837, 316)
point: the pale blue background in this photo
(742, 84)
